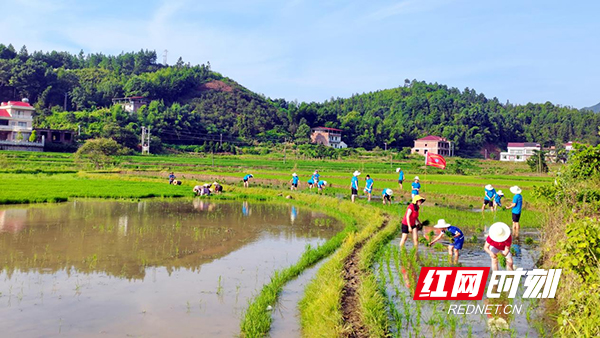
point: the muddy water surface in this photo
(151, 269)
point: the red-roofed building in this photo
(16, 126)
(434, 145)
(330, 137)
(519, 151)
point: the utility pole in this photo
(79, 130)
(221, 141)
(145, 140)
(385, 145)
(65, 104)
(165, 57)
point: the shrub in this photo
(101, 152)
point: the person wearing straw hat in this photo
(400, 177)
(217, 187)
(321, 185)
(488, 198)
(416, 187)
(498, 200)
(387, 196)
(294, 182)
(498, 243)
(516, 206)
(197, 190)
(410, 222)
(246, 179)
(457, 236)
(354, 185)
(369, 187)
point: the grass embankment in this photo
(572, 242)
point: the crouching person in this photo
(456, 235)
(498, 243)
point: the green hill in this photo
(595, 108)
(192, 104)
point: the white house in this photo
(519, 151)
(16, 126)
(330, 137)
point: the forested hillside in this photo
(195, 105)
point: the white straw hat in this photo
(500, 193)
(441, 224)
(489, 187)
(356, 173)
(515, 190)
(417, 178)
(398, 170)
(324, 182)
(499, 232)
(294, 174)
(389, 192)
(215, 183)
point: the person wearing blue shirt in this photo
(294, 182)
(488, 198)
(416, 187)
(246, 178)
(311, 183)
(315, 176)
(321, 185)
(369, 187)
(516, 206)
(455, 234)
(171, 178)
(354, 186)
(400, 177)
(498, 200)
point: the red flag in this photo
(435, 160)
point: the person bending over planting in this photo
(498, 243)
(411, 223)
(321, 185)
(294, 182)
(488, 198)
(456, 235)
(387, 196)
(498, 200)
(516, 206)
(369, 187)
(354, 186)
(246, 179)
(171, 177)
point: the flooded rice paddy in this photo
(398, 274)
(150, 268)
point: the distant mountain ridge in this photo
(595, 109)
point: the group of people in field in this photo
(498, 241)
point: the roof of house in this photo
(570, 143)
(432, 138)
(16, 103)
(4, 113)
(325, 128)
(522, 144)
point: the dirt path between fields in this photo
(350, 298)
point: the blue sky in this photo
(522, 51)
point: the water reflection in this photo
(122, 239)
(12, 220)
(151, 268)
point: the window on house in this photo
(3, 122)
(23, 124)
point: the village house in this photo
(519, 151)
(434, 145)
(131, 104)
(16, 118)
(330, 137)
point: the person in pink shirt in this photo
(498, 243)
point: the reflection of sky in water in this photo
(76, 268)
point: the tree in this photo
(100, 152)
(303, 134)
(33, 136)
(19, 136)
(537, 162)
